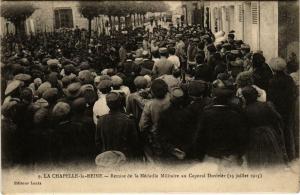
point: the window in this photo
(63, 18)
(254, 13)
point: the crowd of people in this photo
(172, 95)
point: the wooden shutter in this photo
(69, 18)
(227, 13)
(254, 13)
(241, 13)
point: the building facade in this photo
(51, 15)
(193, 12)
(269, 26)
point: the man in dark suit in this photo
(116, 130)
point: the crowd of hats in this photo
(61, 83)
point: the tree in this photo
(89, 10)
(17, 13)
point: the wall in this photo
(254, 22)
(268, 29)
(288, 23)
(43, 17)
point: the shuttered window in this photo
(227, 14)
(254, 13)
(63, 18)
(241, 13)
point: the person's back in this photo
(223, 131)
(116, 130)
(163, 66)
(119, 133)
(147, 64)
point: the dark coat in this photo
(116, 131)
(222, 132)
(177, 128)
(265, 125)
(10, 152)
(67, 140)
(283, 93)
(148, 64)
(261, 76)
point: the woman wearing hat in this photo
(266, 139)
(283, 93)
(261, 71)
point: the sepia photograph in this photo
(149, 96)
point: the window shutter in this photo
(227, 14)
(241, 13)
(56, 19)
(70, 18)
(254, 13)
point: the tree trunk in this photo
(130, 20)
(119, 23)
(134, 22)
(90, 28)
(19, 27)
(139, 19)
(114, 22)
(110, 21)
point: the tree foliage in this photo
(89, 9)
(15, 12)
